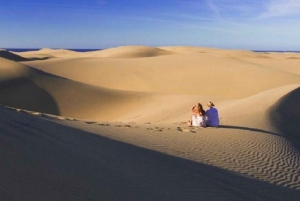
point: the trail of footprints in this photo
(265, 157)
(185, 128)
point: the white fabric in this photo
(198, 120)
(212, 117)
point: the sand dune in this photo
(47, 53)
(58, 162)
(111, 125)
(246, 143)
(43, 92)
(278, 62)
(11, 56)
(211, 74)
(284, 115)
(26, 88)
(128, 52)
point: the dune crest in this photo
(11, 70)
(46, 93)
(11, 56)
(113, 123)
(129, 52)
(285, 116)
(208, 74)
(46, 53)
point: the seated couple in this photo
(203, 118)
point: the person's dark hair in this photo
(201, 110)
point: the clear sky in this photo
(233, 24)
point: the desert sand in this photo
(111, 124)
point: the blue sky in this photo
(233, 24)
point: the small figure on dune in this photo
(198, 116)
(212, 115)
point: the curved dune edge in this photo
(43, 92)
(285, 116)
(148, 51)
(246, 143)
(11, 56)
(59, 161)
(190, 74)
(128, 52)
(254, 149)
(46, 93)
(256, 141)
(116, 52)
(48, 53)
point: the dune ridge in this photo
(114, 122)
(246, 142)
(184, 73)
(65, 163)
(129, 52)
(11, 56)
(285, 113)
(42, 92)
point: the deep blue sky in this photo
(234, 24)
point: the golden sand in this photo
(111, 124)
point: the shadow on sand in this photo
(50, 161)
(25, 94)
(285, 116)
(250, 129)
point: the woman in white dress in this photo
(198, 116)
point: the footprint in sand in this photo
(158, 129)
(91, 122)
(155, 129)
(126, 126)
(179, 128)
(97, 123)
(71, 119)
(185, 130)
(102, 124)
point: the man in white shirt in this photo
(212, 116)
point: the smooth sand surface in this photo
(111, 125)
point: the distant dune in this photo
(128, 52)
(111, 124)
(203, 72)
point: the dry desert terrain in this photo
(111, 124)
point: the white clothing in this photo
(198, 120)
(212, 117)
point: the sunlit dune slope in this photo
(27, 88)
(128, 135)
(247, 142)
(192, 71)
(61, 162)
(47, 53)
(128, 52)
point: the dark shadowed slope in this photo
(285, 116)
(43, 160)
(11, 56)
